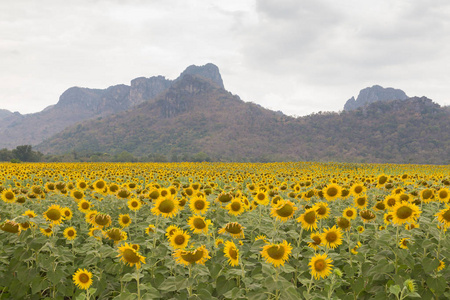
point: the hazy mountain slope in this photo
(374, 94)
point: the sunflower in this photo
(361, 202)
(322, 210)
(276, 254)
(8, 196)
(134, 204)
(171, 229)
(124, 220)
(70, 233)
(82, 185)
(349, 213)
(427, 195)
(53, 214)
(332, 192)
(261, 198)
(382, 180)
(367, 215)
(317, 240)
(332, 237)
(360, 229)
(100, 186)
(116, 235)
(232, 253)
(84, 206)
(320, 266)
(379, 206)
(412, 226)
(96, 233)
(262, 237)
(67, 213)
(89, 215)
(47, 231)
(130, 256)
(150, 229)
(357, 189)
(354, 250)
(343, 223)
(443, 195)
(441, 266)
(390, 201)
(284, 210)
(235, 207)
(82, 278)
(179, 239)
(218, 242)
(10, 226)
(403, 243)
(197, 256)
(77, 195)
(308, 219)
(123, 194)
(444, 216)
(198, 205)
(198, 224)
(405, 212)
(30, 214)
(166, 206)
(235, 229)
(101, 220)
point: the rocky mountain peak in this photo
(374, 94)
(208, 71)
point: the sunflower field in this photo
(224, 231)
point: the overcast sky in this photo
(297, 56)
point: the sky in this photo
(296, 56)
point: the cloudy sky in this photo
(297, 56)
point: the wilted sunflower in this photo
(322, 210)
(198, 224)
(232, 253)
(197, 256)
(70, 233)
(134, 204)
(179, 239)
(235, 229)
(124, 220)
(349, 213)
(276, 254)
(343, 223)
(235, 207)
(332, 192)
(405, 212)
(284, 210)
(10, 226)
(308, 219)
(367, 215)
(332, 237)
(84, 206)
(116, 235)
(198, 205)
(123, 194)
(379, 206)
(130, 256)
(166, 206)
(8, 196)
(101, 220)
(320, 266)
(403, 243)
(317, 240)
(77, 195)
(54, 214)
(82, 278)
(444, 216)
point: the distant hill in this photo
(79, 104)
(374, 94)
(197, 115)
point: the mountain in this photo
(197, 115)
(374, 94)
(79, 104)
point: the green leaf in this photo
(128, 277)
(437, 285)
(395, 289)
(430, 264)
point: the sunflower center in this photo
(179, 239)
(125, 219)
(77, 195)
(199, 223)
(310, 217)
(276, 252)
(129, 255)
(224, 198)
(382, 180)
(261, 196)
(316, 240)
(70, 233)
(427, 194)
(380, 205)
(199, 204)
(331, 237)
(9, 195)
(319, 265)
(192, 257)
(321, 210)
(235, 206)
(349, 213)
(85, 205)
(233, 253)
(391, 202)
(332, 191)
(343, 223)
(285, 211)
(361, 201)
(404, 212)
(446, 215)
(234, 228)
(166, 206)
(358, 189)
(443, 194)
(54, 214)
(100, 185)
(134, 204)
(83, 278)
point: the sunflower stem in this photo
(349, 248)
(138, 285)
(310, 284)
(395, 252)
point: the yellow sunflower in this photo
(322, 210)
(198, 205)
(427, 195)
(284, 210)
(381, 180)
(198, 224)
(332, 192)
(67, 213)
(276, 254)
(47, 231)
(197, 256)
(77, 195)
(53, 214)
(124, 220)
(100, 186)
(405, 212)
(234, 229)
(343, 223)
(262, 198)
(166, 206)
(179, 239)
(70, 233)
(390, 201)
(403, 243)
(232, 253)
(235, 207)
(349, 213)
(130, 256)
(82, 278)
(84, 206)
(444, 216)
(358, 189)
(30, 214)
(171, 229)
(317, 240)
(308, 219)
(332, 237)
(150, 229)
(441, 266)
(361, 202)
(8, 196)
(443, 195)
(134, 204)
(320, 266)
